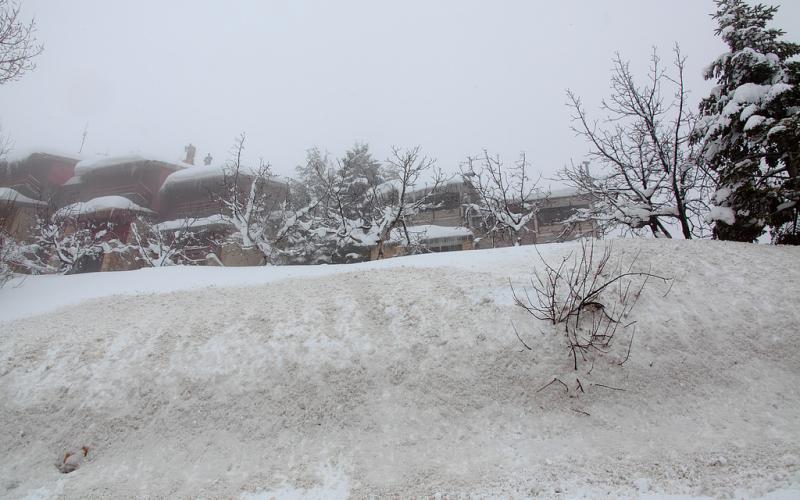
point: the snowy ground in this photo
(402, 377)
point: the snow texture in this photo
(192, 222)
(722, 214)
(401, 378)
(100, 204)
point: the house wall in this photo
(201, 198)
(18, 221)
(40, 176)
(139, 182)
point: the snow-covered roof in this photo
(89, 166)
(562, 192)
(422, 233)
(20, 155)
(196, 173)
(430, 231)
(192, 223)
(8, 195)
(101, 204)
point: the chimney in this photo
(190, 151)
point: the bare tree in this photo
(394, 204)
(18, 45)
(649, 177)
(257, 205)
(246, 201)
(508, 199)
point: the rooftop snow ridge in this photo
(13, 196)
(89, 166)
(199, 173)
(101, 204)
(196, 173)
(21, 155)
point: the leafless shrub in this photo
(588, 294)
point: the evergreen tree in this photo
(750, 126)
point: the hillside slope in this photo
(402, 377)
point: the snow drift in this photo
(400, 377)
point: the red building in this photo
(39, 176)
(135, 177)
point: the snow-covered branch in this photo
(508, 198)
(648, 174)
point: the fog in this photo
(452, 76)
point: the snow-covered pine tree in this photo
(750, 126)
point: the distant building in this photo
(189, 198)
(431, 238)
(450, 208)
(109, 218)
(39, 175)
(135, 177)
(107, 195)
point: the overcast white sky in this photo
(451, 76)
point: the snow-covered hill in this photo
(401, 377)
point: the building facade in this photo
(111, 193)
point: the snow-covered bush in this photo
(73, 246)
(20, 258)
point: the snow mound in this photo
(402, 378)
